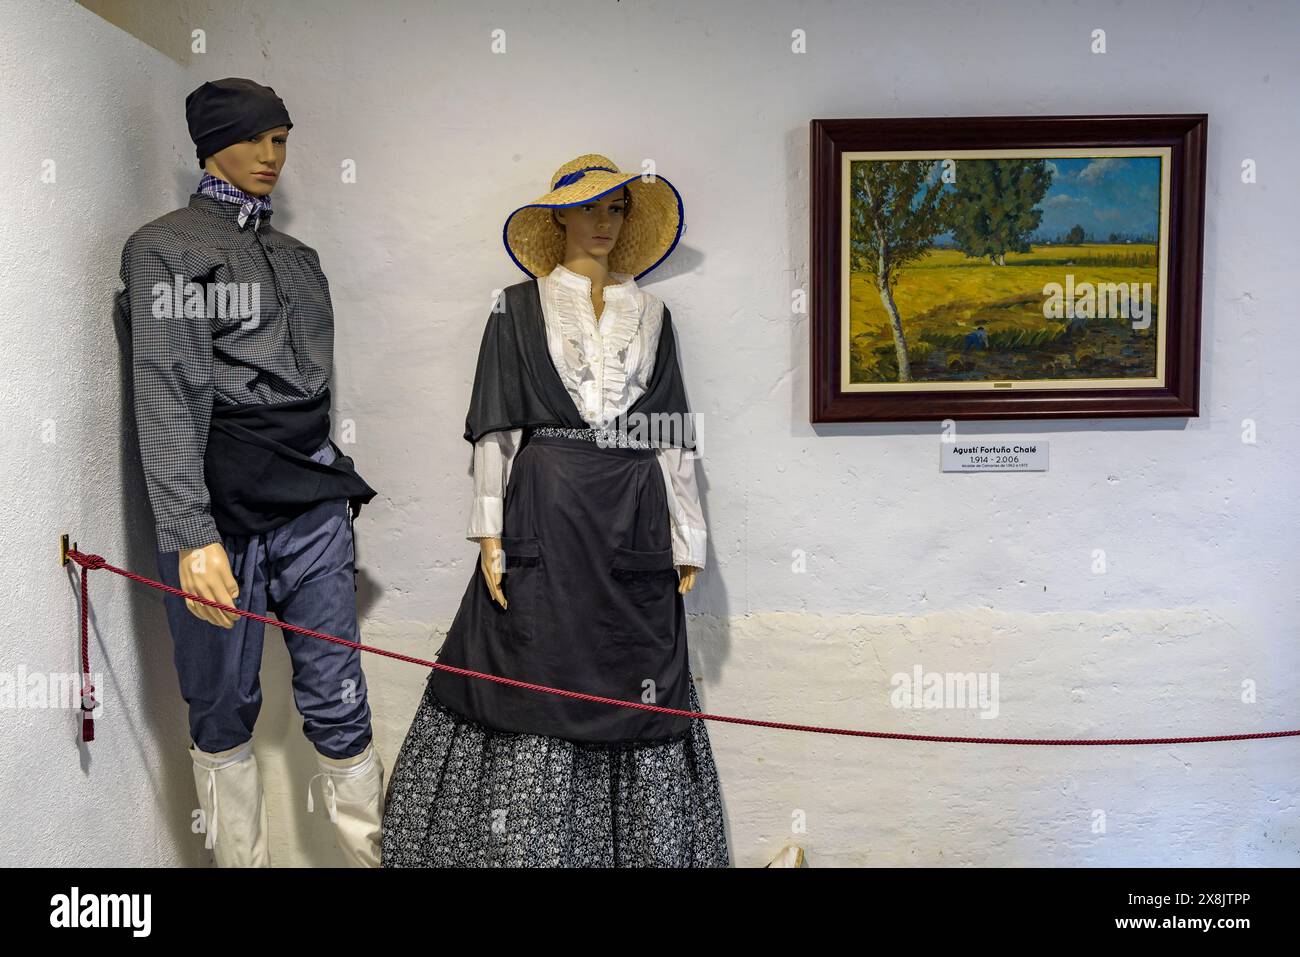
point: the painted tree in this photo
(896, 208)
(995, 206)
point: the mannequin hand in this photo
(492, 561)
(687, 575)
(206, 572)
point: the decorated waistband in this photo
(604, 437)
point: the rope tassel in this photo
(88, 702)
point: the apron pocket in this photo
(630, 560)
(646, 577)
(637, 636)
(522, 586)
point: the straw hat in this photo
(651, 230)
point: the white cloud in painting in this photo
(1098, 168)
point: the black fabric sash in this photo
(516, 384)
(259, 470)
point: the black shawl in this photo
(516, 384)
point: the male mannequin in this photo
(251, 499)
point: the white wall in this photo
(82, 95)
(905, 566)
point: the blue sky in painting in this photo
(1103, 194)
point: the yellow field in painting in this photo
(946, 294)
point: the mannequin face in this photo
(254, 164)
(592, 229)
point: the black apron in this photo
(259, 470)
(592, 602)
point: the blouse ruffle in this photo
(596, 360)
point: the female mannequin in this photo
(580, 516)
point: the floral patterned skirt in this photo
(463, 795)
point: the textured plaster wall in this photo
(85, 158)
(839, 556)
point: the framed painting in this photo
(1005, 267)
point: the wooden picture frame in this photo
(999, 171)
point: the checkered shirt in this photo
(185, 361)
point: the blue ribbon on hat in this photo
(569, 178)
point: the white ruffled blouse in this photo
(605, 366)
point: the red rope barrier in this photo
(89, 562)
